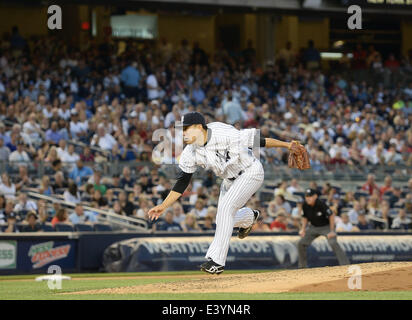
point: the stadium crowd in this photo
(70, 108)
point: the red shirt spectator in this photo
(370, 184)
(279, 222)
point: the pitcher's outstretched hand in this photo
(156, 212)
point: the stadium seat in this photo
(83, 227)
(102, 227)
(3, 227)
(359, 194)
(47, 227)
(300, 194)
(63, 227)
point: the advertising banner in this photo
(258, 252)
(8, 254)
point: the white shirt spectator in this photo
(342, 149)
(398, 222)
(16, 156)
(369, 152)
(75, 128)
(65, 114)
(152, 93)
(107, 142)
(340, 225)
(29, 205)
(8, 192)
(71, 198)
(70, 159)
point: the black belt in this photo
(232, 179)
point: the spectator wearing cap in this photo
(81, 216)
(32, 223)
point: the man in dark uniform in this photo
(322, 223)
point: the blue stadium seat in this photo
(3, 227)
(300, 194)
(63, 227)
(359, 194)
(102, 227)
(83, 227)
(187, 208)
(47, 227)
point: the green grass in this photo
(29, 289)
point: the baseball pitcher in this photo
(227, 151)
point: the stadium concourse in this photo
(77, 122)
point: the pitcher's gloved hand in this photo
(298, 156)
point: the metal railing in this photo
(136, 224)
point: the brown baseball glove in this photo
(298, 156)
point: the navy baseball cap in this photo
(193, 118)
(310, 192)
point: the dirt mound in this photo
(383, 276)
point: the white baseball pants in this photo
(230, 211)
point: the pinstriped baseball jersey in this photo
(226, 152)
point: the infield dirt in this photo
(382, 276)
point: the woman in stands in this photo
(61, 217)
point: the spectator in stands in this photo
(7, 187)
(24, 205)
(118, 209)
(103, 139)
(146, 183)
(126, 205)
(387, 186)
(59, 182)
(311, 56)
(4, 151)
(282, 203)
(344, 225)
(340, 148)
(20, 156)
(168, 224)
(53, 134)
(208, 223)
(298, 210)
(354, 213)
(95, 179)
(178, 214)
(200, 209)
(99, 199)
(260, 225)
(363, 223)
(190, 223)
(11, 220)
(232, 110)
(80, 216)
(45, 187)
(282, 190)
(396, 196)
(370, 186)
(402, 221)
(61, 217)
(80, 173)
(213, 198)
(32, 223)
(87, 155)
(294, 187)
(72, 194)
(280, 222)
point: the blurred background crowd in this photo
(65, 110)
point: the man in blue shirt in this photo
(130, 78)
(79, 172)
(53, 134)
(79, 216)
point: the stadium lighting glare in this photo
(331, 55)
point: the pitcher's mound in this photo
(382, 276)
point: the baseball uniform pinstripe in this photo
(227, 154)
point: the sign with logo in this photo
(8, 254)
(44, 253)
(257, 252)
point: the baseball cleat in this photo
(244, 232)
(212, 267)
